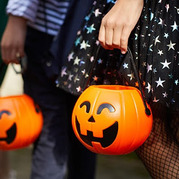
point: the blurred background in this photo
(108, 167)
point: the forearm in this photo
(12, 43)
(17, 21)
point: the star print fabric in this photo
(155, 46)
(154, 43)
(76, 74)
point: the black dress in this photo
(154, 43)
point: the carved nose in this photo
(91, 119)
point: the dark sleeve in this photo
(62, 44)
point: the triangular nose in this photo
(91, 119)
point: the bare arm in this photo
(117, 24)
(12, 43)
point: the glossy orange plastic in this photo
(20, 122)
(111, 119)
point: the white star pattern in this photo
(70, 56)
(160, 52)
(90, 29)
(136, 36)
(131, 76)
(161, 21)
(83, 71)
(160, 82)
(151, 16)
(84, 45)
(63, 72)
(97, 13)
(165, 64)
(86, 75)
(157, 40)
(76, 61)
(154, 70)
(165, 95)
(174, 26)
(144, 64)
(171, 46)
(149, 68)
(76, 78)
(78, 89)
(125, 65)
(177, 10)
(97, 42)
(167, 7)
(70, 77)
(148, 87)
(166, 35)
(100, 61)
(92, 59)
(150, 47)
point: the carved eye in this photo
(105, 105)
(87, 104)
(4, 112)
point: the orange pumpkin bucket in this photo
(111, 119)
(20, 122)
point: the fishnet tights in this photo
(160, 152)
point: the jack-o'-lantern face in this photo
(111, 119)
(95, 120)
(8, 135)
(20, 122)
(99, 128)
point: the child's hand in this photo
(118, 23)
(12, 43)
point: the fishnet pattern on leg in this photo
(160, 152)
(174, 125)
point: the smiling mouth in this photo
(11, 134)
(109, 135)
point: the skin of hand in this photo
(13, 39)
(118, 23)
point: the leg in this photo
(160, 153)
(50, 152)
(51, 149)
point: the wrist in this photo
(17, 21)
(139, 2)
